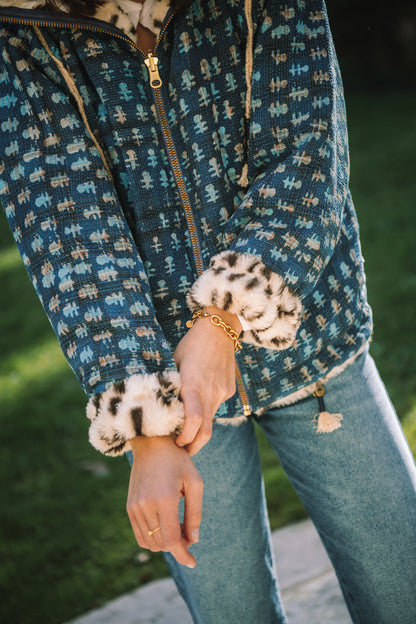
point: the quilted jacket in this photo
(141, 187)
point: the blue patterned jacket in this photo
(133, 203)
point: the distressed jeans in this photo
(358, 485)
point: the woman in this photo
(176, 180)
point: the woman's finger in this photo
(193, 416)
(154, 535)
(202, 438)
(138, 534)
(193, 492)
(173, 538)
(159, 477)
(150, 538)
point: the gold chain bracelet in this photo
(218, 322)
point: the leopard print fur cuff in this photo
(147, 405)
(243, 285)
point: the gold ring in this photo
(154, 531)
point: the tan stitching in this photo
(80, 103)
(249, 55)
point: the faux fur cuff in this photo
(243, 285)
(147, 405)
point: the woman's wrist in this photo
(227, 317)
(143, 443)
(219, 320)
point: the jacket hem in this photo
(294, 397)
(308, 390)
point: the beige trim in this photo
(78, 98)
(295, 396)
(243, 180)
(249, 55)
(308, 390)
(232, 422)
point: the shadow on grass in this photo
(66, 544)
(65, 535)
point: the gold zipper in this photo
(156, 82)
(69, 25)
(242, 392)
(151, 62)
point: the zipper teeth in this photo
(170, 146)
(164, 27)
(180, 182)
(191, 222)
(242, 391)
(176, 166)
(52, 24)
(57, 24)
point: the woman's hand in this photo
(161, 474)
(206, 362)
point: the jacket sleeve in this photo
(283, 233)
(76, 245)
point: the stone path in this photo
(309, 587)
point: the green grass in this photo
(382, 135)
(65, 543)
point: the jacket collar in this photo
(125, 13)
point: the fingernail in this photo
(195, 536)
(191, 565)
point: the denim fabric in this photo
(358, 485)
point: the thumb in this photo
(193, 417)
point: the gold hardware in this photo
(151, 64)
(218, 322)
(319, 391)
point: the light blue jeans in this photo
(358, 485)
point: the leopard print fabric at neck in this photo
(124, 14)
(150, 14)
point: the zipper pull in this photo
(151, 64)
(325, 421)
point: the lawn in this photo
(66, 546)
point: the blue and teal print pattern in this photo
(111, 258)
